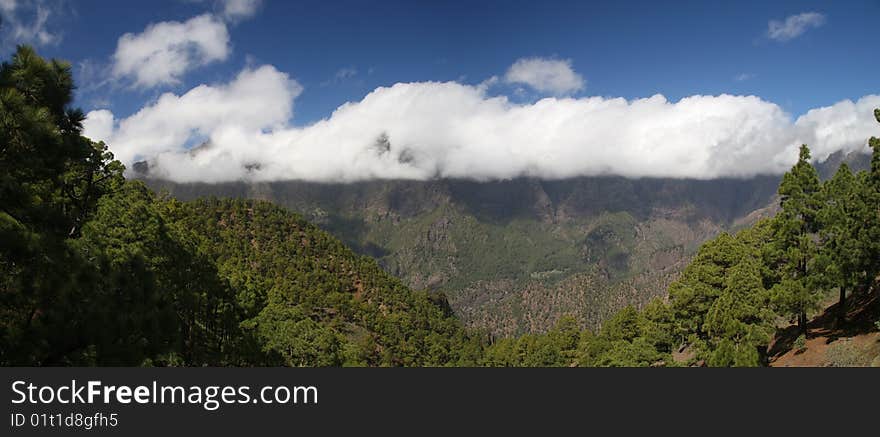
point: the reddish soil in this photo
(858, 335)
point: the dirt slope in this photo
(856, 343)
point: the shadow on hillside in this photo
(862, 310)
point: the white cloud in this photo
(455, 130)
(166, 50)
(794, 26)
(99, 125)
(742, 77)
(27, 23)
(546, 75)
(845, 125)
(235, 10)
(256, 99)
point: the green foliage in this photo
(557, 348)
(741, 316)
(50, 181)
(701, 283)
(522, 249)
(636, 353)
(730, 354)
(658, 326)
(282, 266)
(631, 339)
(869, 211)
(841, 261)
(795, 245)
(297, 340)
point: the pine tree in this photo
(740, 320)
(702, 281)
(51, 178)
(839, 259)
(794, 230)
(870, 217)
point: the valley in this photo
(513, 256)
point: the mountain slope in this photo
(513, 256)
(857, 343)
(309, 300)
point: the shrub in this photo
(845, 353)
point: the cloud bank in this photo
(449, 129)
(794, 26)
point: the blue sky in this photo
(626, 49)
(260, 79)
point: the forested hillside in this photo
(99, 270)
(583, 247)
(741, 291)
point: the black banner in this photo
(325, 401)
